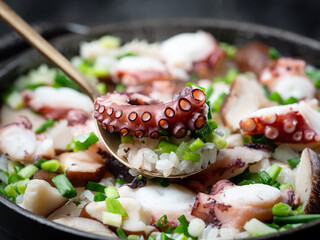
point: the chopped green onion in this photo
(273, 53)
(166, 147)
(260, 138)
(28, 171)
(112, 219)
(265, 178)
(111, 192)
(275, 96)
(14, 100)
(196, 144)
(288, 226)
(285, 185)
(38, 164)
(45, 126)
(2, 191)
(290, 100)
(120, 181)
(13, 179)
(229, 49)
(14, 167)
(126, 55)
(95, 187)
(209, 114)
(64, 186)
(195, 85)
(151, 238)
(194, 157)
(163, 219)
(164, 236)
(121, 233)
(209, 91)
(215, 107)
(4, 177)
(133, 237)
(83, 141)
(206, 131)
(183, 228)
(183, 220)
(110, 41)
(10, 191)
(51, 165)
(127, 139)
(114, 206)
(296, 218)
(282, 210)
(246, 139)
(274, 172)
(219, 141)
(163, 182)
(120, 87)
(61, 80)
(98, 197)
(293, 162)
(314, 75)
(182, 148)
(102, 87)
(21, 186)
(256, 228)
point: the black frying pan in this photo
(17, 223)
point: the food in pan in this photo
(246, 116)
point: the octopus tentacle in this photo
(187, 111)
(292, 124)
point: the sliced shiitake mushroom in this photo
(307, 183)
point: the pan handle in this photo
(12, 44)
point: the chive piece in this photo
(14, 167)
(195, 85)
(285, 185)
(162, 222)
(273, 53)
(219, 141)
(114, 206)
(2, 191)
(45, 126)
(183, 228)
(209, 114)
(288, 226)
(215, 107)
(133, 237)
(64, 186)
(120, 181)
(112, 219)
(109, 41)
(111, 192)
(290, 100)
(61, 80)
(163, 182)
(196, 144)
(209, 91)
(98, 197)
(229, 49)
(21, 186)
(206, 131)
(120, 87)
(314, 75)
(28, 171)
(38, 164)
(293, 162)
(296, 218)
(182, 147)
(275, 96)
(121, 233)
(282, 210)
(126, 55)
(4, 177)
(194, 157)
(83, 141)
(151, 238)
(164, 236)
(127, 139)
(11, 191)
(183, 220)
(246, 139)
(102, 87)
(13, 179)
(14, 100)
(265, 178)
(166, 147)
(182, 237)
(95, 187)
(274, 172)
(51, 165)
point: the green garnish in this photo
(127, 139)
(51, 165)
(114, 206)
(28, 171)
(162, 222)
(83, 141)
(293, 162)
(64, 186)
(98, 197)
(296, 218)
(273, 172)
(196, 144)
(273, 53)
(282, 209)
(194, 157)
(163, 182)
(102, 87)
(121, 233)
(215, 107)
(195, 85)
(61, 80)
(120, 87)
(166, 147)
(95, 187)
(45, 126)
(111, 192)
(229, 49)
(230, 76)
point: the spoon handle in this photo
(29, 34)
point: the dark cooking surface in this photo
(16, 223)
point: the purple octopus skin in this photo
(116, 112)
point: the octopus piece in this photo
(231, 206)
(253, 57)
(245, 96)
(287, 77)
(230, 162)
(295, 124)
(174, 201)
(19, 143)
(56, 102)
(191, 52)
(85, 224)
(137, 222)
(41, 198)
(187, 111)
(82, 167)
(307, 182)
(135, 70)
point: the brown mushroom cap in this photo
(307, 183)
